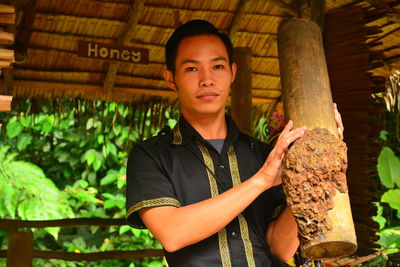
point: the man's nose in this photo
(206, 78)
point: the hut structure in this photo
(114, 50)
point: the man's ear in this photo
(234, 69)
(169, 78)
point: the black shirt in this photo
(180, 168)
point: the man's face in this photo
(202, 75)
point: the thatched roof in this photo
(48, 32)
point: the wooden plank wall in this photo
(349, 59)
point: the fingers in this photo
(286, 138)
(339, 123)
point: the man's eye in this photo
(219, 66)
(191, 69)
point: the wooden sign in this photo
(113, 52)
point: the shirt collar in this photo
(183, 132)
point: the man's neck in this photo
(208, 126)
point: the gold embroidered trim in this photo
(244, 228)
(162, 201)
(177, 135)
(222, 236)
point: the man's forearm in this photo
(176, 228)
(282, 235)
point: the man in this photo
(210, 194)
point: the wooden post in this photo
(308, 101)
(20, 249)
(241, 95)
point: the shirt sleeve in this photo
(147, 184)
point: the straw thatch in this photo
(48, 32)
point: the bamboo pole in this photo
(308, 101)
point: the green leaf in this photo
(392, 197)
(24, 141)
(383, 135)
(97, 162)
(89, 156)
(13, 129)
(136, 232)
(112, 149)
(53, 231)
(155, 264)
(109, 178)
(390, 238)
(28, 193)
(110, 203)
(124, 229)
(47, 126)
(25, 121)
(89, 124)
(100, 139)
(379, 218)
(389, 168)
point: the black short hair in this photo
(193, 28)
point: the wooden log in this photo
(6, 38)
(6, 54)
(5, 103)
(241, 94)
(5, 64)
(6, 9)
(20, 249)
(7, 18)
(308, 101)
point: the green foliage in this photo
(390, 239)
(389, 168)
(83, 147)
(29, 195)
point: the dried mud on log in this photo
(314, 168)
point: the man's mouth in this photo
(208, 96)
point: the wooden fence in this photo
(20, 244)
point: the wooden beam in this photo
(124, 39)
(6, 223)
(24, 29)
(95, 256)
(285, 6)
(241, 92)
(237, 18)
(5, 103)
(318, 9)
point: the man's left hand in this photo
(339, 123)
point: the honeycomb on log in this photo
(314, 168)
